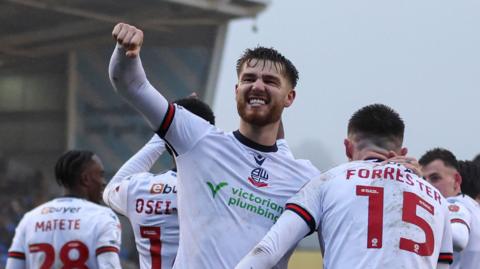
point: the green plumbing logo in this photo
(255, 204)
(249, 201)
(216, 188)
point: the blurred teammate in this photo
(149, 200)
(233, 186)
(72, 231)
(441, 168)
(368, 215)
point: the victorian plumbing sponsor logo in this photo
(239, 198)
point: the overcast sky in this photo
(420, 57)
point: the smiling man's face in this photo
(262, 92)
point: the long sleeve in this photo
(130, 81)
(115, 194)
(285, 234)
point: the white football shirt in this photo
(464, 209)
(376, 216)
(231, 190)
(150, 203)
(66, 232)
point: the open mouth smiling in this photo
(257, 101)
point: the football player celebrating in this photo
(442, 169)
(368, 214)
(72, 231)
(150, 200)
(232, 186)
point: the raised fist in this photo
(130, 37)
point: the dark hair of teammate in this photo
(470, 172)
(70, 167)
(197, 107)
(282, 64)
(377, 124)
(446, 156)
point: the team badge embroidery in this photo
(259, 177)
(453, 208)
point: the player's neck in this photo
(263, 135)
(75, 193)
(368, 154)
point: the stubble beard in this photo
(272, 116)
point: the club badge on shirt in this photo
(259, 177)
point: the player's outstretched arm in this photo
(285, 234)
(129, 79)
(140, 162)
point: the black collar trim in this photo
(251, 144)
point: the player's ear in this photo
(458, 180)
(290, 97)
(403, 151)
(236, 92)
(348, 148)
(86, 177)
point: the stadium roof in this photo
(36, 28)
